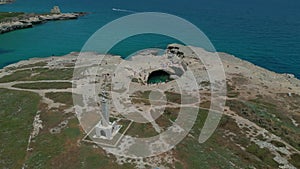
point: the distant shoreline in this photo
(23, 21)
(3, 2)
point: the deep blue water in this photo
(265, 33)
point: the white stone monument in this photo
(55, 10)
(105, 129)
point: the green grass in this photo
(210, 154)
(205, 104)
(268, 116)
(178, 165)
(61, 151)
(275, 121)
(54, 74)
(233, 94)
(72, 133)
(64, 98)
(27, 66)
(141, 130)
(18, 109)
(125, 123)
(60, 97)
(219, 151)
(91, 158)
(45, 147)
(39, 74)
(173, 97)
(140, 101)
(262, 153)
(17, 76)
(44, 85)
(277, 143)
(37, 64)
(205, 83)
(171, 113)
(199, 123)
(143, 97)
(9, 15)
(295, 160)
(48, 146)
(52, 118)
(261, 137)
(163, 122)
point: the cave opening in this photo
(158, 76)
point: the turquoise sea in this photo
(266, 33)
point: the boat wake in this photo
(123, 10)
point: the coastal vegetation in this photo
(142, 130)
(266, 115)
(47, 116)
(255, 130)
(295, 160)
(18, 109)
(35, 74)
(44, 85)
(7, 16)
(61, 97)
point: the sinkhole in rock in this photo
(158, 76)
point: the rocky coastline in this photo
(2, 2)
(260, 120)
(29, 20)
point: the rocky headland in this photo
(23, 21)
(2, 2)
(259, 126)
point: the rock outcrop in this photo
(5, 1)
(55, 10)
(29, 20)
